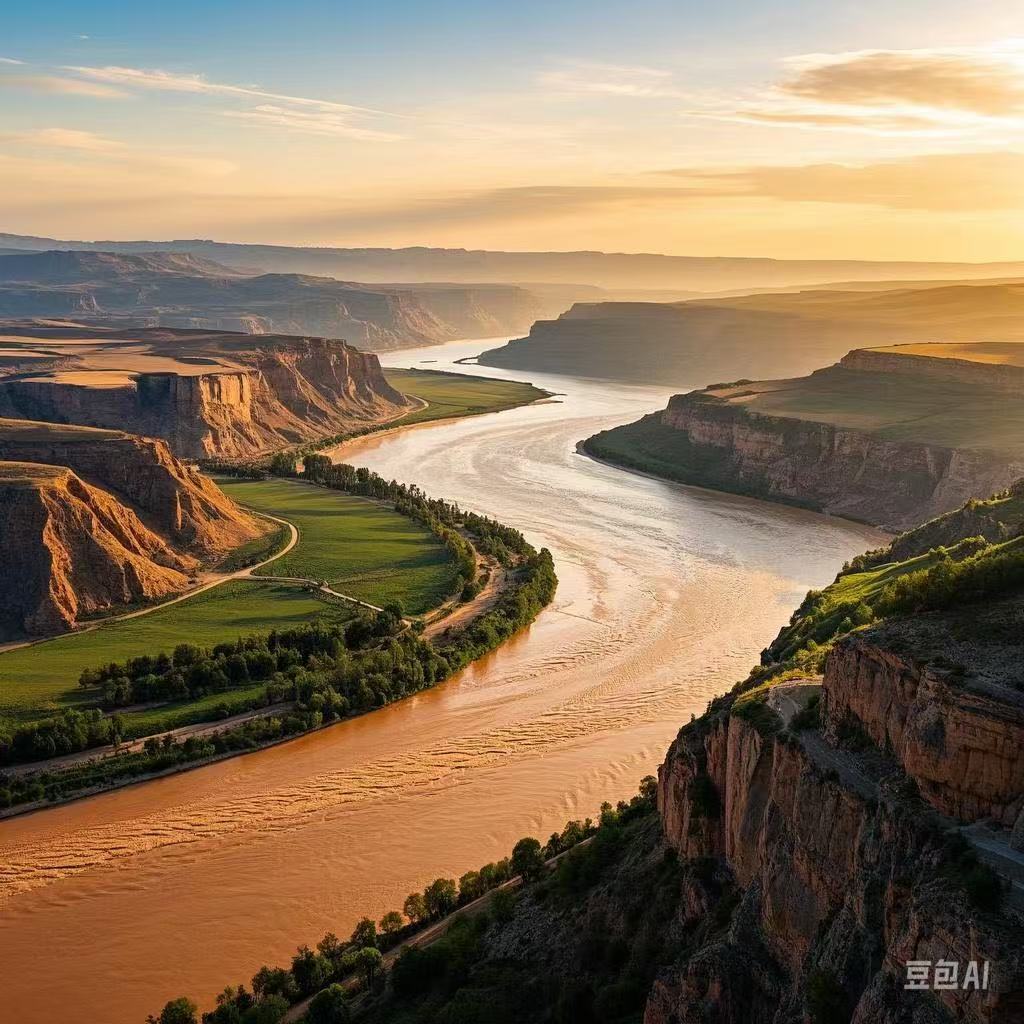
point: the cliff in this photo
(205, 393)
(840, 879)
(857, 440)
(693, 343)
(178, 502)
(70, 550)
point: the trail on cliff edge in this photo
(666, 596)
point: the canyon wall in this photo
(852, 473)
(840, 876)
(1000, 376)
(71, 550)
(282, 391)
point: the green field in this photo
(459, 394)
(360, 547)
(43, 678)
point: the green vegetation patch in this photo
(360, 547)
(459, 394)
(38, 680)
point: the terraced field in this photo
(359, 547)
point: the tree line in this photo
(335, 968)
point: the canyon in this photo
(207, 393)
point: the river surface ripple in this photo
(112, 905)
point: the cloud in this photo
(939, 182)
(60, 86)
(67, 138)
(293, 113)
(308, 122)
(581, 78)
(971, 91)
(987, 81)
(10, 60)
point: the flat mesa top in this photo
(29, 474)
(1004, 353)
(33, 430)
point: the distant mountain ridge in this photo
(771, 334)
(605, 270)
(184, 289)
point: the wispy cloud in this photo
(583, 78)
(10, 60)
(56, 85)
(931, 92)
(66, 138)
(306, 114)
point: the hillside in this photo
(889, 436)
(182, 289)
(700, 341)
(605, 270)
(817, 830)
(205, 392)
(96, 519)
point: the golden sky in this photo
(703, 147)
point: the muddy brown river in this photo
(112, 905)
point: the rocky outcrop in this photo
(837, 891)
(914, 361)
(71, 550)
(178, 502)
(948, 709)
(255, 397)
(848, 472)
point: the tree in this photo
(365, 934)
(649, 788)
(269, 1011)
(177, 1011)
(369, 961)
(414, 907)
(527, 859)
(440, 897)
(390, 923)
(310, 970)
(273, 981)
(470, 886)
(330, 946)
(329, 1006)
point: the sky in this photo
(799, 129)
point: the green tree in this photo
(440, 897)
(414, 907)
(369, 961)
(177, 1011)
(310, 970)
(364, 934)
(527, 859)
(329, 1006)
(390, 923)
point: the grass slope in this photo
(360, 547)
(38, 680)
(458, 394)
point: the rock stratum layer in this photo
(95, 519)
(882, 438)
(206, 394)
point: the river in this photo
(114, 904)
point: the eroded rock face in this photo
(834, 886)
(186, 508)
(895, 484)
(71, 550)
(934, 704)
(257, 396)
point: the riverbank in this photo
(666, 596)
